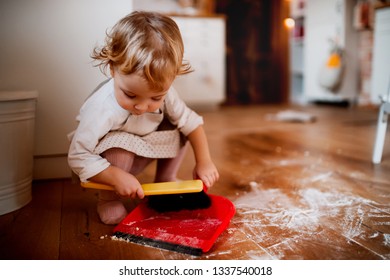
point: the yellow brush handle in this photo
(189, 186)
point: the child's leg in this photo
(110, 208)
(167, 168)
(139, 164)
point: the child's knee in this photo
(140, 164)
(119, 158)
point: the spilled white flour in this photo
(387, 239)
(299, 217)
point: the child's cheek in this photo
(125, 103)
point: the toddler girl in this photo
(136, 116)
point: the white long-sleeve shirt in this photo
(101, 114)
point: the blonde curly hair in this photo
(145, 43)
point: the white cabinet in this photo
(381, 55)
(204, 43)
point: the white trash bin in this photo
(17, 118)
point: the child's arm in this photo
(125, 184)
(204, 168)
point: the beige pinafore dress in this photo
(153, 136)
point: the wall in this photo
(45, 46)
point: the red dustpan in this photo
(187, 231)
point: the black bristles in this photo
(158, 244)
(177, 202)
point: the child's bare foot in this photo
(111, 212)
(110, 209)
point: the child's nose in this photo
(141, 106)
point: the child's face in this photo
(133, 93)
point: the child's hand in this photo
(207, 172)
(204, 168)
(127, 185)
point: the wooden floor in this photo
(301, 191)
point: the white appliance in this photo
(326, 21)
(381, 56)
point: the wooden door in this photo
(257, 51)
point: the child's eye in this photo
(156, 98)
(131, 96)
(128, 94)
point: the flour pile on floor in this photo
(265, 211)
